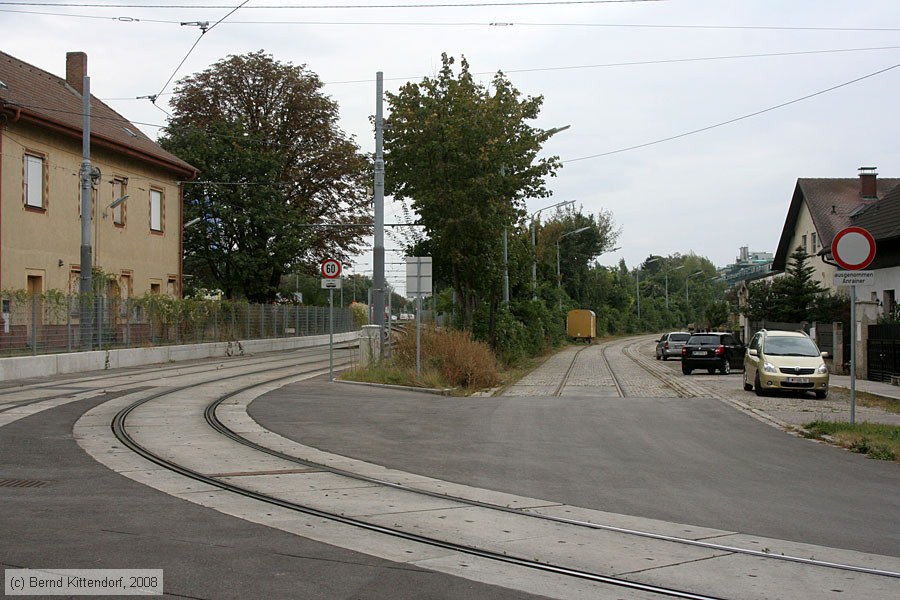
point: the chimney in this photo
(76, 70)
(868, 187)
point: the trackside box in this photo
(581, 324)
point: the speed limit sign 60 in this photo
(331, 268)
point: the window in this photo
(815, 242)
(157, 210)
(172, 285)
(35, 188)
(155, 288)
(803, 243)
(120, 189)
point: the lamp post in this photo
(558, 272)
(534, 244)
(638, 285)
(687, 296)
(667, 284)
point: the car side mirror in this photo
(752, 352)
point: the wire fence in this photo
(32, 324)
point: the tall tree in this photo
(274, 164)
(465, 159)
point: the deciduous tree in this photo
(273, 162)
(464, 157)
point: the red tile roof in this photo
(38, 96)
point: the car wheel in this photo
(726, 367)
(821, 395)
(759, 389)
(747, 385)
(686, 370)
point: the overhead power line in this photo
(734, 120)
(335, 6)
(370, 23)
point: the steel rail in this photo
(215, 423)
(120, 431)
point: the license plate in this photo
(798, 380)
(700, 353)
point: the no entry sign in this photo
(853, 248)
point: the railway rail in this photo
(275, 372)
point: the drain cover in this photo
(23, 483)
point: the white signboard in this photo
(331, 284)
(863, 278)
(418, 276)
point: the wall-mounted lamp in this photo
(115, 203)
(61, 263)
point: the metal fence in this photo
(32, 324)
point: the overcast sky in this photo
(624, 75)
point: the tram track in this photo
(119, 427)
(120, 430)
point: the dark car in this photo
(670, 344)
(713, 351)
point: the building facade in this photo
(136, 215)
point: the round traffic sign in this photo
(331, 268)
(853, 248)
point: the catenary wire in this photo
(128, 19)
(337, 6)
(734, 120)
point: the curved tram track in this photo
(274, 376)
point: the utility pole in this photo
(85, 286)
(378, 246)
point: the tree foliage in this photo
(273, 161)
(464, 157)
(794, 297)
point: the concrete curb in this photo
(405, 388)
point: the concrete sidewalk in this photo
(876, 388)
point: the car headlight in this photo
(822, 369)
(769, 368)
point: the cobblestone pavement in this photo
(638, 374)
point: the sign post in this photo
(331, 279)
(418, 283)
(853, 248)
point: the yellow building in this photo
(135, 241)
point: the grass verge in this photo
(876, 440)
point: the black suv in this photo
(712, 351)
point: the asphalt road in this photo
(696, 461)
(88, 517)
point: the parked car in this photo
(714, 350)
(785, 360)
(670, 344)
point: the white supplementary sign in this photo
(864, 278)
(331, 284)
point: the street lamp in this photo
(667, 284)
(534, 243)
(638, 285)
(687, 296)
(558, 273)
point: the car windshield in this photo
(679, 337)
(704, 339)
(790, 346)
